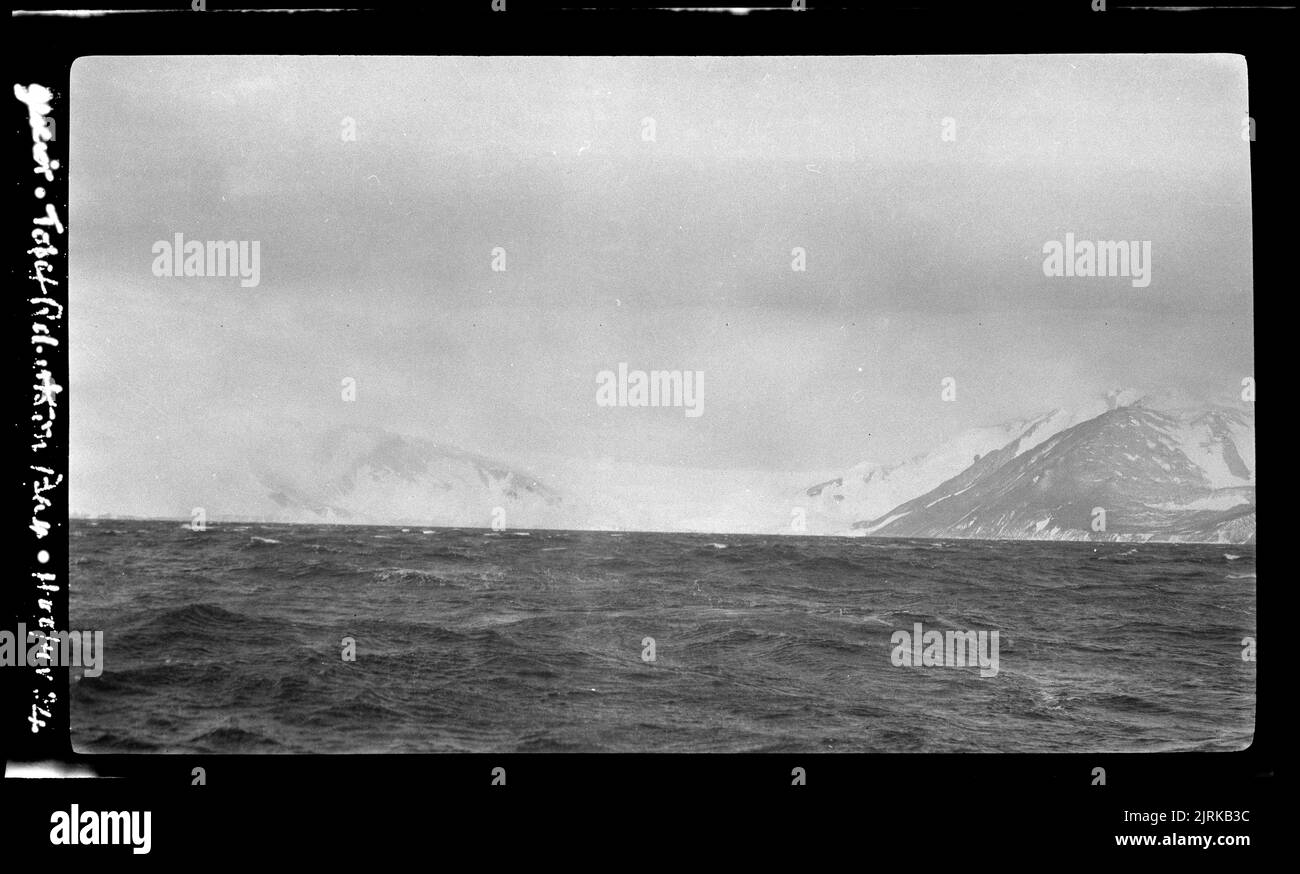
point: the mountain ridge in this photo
(1132, 473)
(1119, 468)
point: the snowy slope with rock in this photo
(1132, 473)
(870, 491)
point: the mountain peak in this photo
(1154, 474)
(1122, 397)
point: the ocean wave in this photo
(193, 616)
(232, 739)
(409, 575)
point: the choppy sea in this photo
(231, 640)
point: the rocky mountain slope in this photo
(1131, 473)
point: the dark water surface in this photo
(229, 640)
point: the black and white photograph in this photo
(790, 403)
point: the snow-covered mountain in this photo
(1131, 473)
(869, 491)
(368, 475)
(1159, 470)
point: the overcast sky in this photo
(924, 254)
